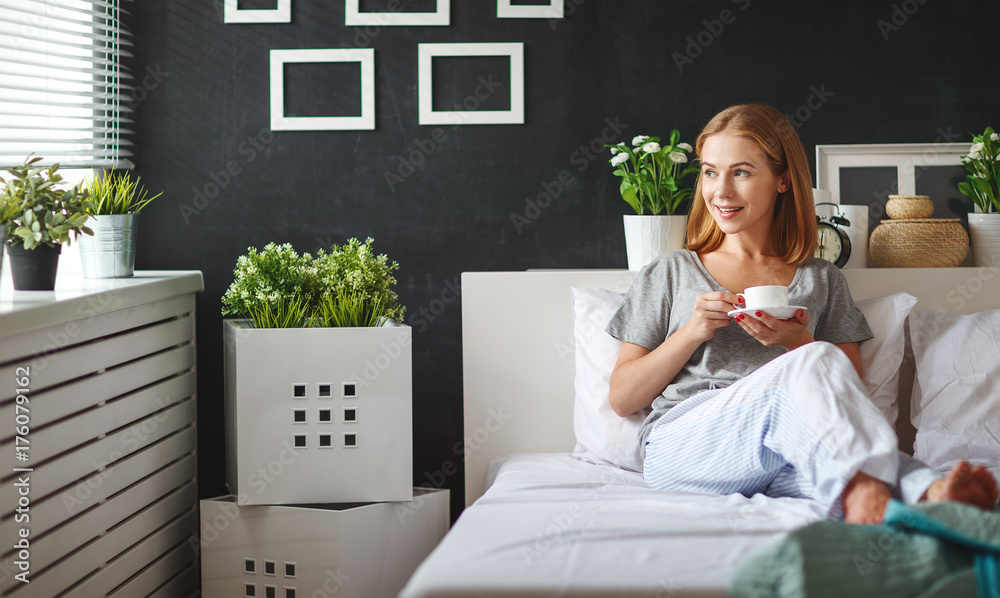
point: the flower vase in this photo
(647, 237)
(984, 230)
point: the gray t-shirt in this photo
(662, 298)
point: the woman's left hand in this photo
(771, 331)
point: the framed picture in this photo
(425, 84)
(232, 13)
(366, 120)
(354, 17)
(552, 10)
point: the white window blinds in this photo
(64, 94)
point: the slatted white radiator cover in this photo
(97, 393)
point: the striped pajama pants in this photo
(800, 426)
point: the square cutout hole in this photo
(289, 569)
(270, 591)
(289, 592)
(250, 590)
(325, 390)
(325, 415)
(269, 568)
(299, 441)
(299, 416)
(325, 441)
(249, 566)
(350, 440)
(299, 391)
(350, 389)
(350, 415)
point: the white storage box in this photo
(312, 551)
(318, 415)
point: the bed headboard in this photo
(518, 349)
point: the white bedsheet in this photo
(553, 525)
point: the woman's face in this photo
(738, 186)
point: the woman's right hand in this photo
(709, 314)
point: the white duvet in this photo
(551, 525)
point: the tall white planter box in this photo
(318, 415)
(343, 551)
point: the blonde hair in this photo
(794, 212)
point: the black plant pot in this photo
(34, 269)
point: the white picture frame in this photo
(425, 57)
(552, 10)
(905, 157)
(280, 122)
(232, 13)
(353, 16)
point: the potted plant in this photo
(45, 216)
(318, 377)
(117, 199)
(9, 207)
(982, 186)
(652, 183)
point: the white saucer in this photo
(782, 313)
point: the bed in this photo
(555, 504)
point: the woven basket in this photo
(919, 243)
(902, 207)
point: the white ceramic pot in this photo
(647, 237)
(984, 230)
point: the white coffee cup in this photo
(764, 297)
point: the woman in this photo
(761, 406)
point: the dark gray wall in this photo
(848, 72)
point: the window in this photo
(64, 94)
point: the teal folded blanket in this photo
(928, 550)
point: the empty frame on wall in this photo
(906, 158)
(280, 122)
(425, 88)
(552, 10)
(232, 13)
(354, 16)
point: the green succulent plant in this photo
(45, 212)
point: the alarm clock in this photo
(832, 242)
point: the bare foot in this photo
(864, 499)
(966, 484)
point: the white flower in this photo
(651, 148)
(619, 159)
(638, 139)
(614, 150)
(976, 148)
(995, 137)
(686, 147)
(678, 157)
(974, 155)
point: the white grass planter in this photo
(318, 415)
(347, 551)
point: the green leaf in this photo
(628, 194)
(675, 137)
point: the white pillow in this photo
(956, 390)
(601, 436)
(605, 438)
(882, 355)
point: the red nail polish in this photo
(757, 313)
